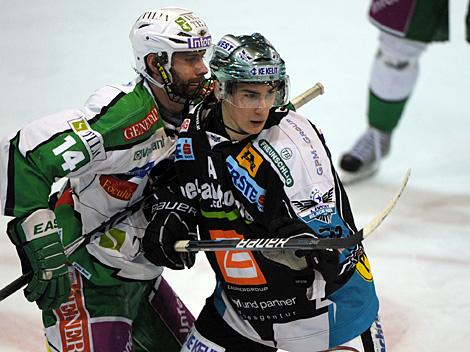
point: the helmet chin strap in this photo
(239, 131)
(150, 79)
(166, 85)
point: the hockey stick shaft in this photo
(308, 95)
(304, 241)
(73, 246)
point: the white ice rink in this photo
(53, 54)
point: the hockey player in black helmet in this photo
(253, 169)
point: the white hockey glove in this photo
(324, 261)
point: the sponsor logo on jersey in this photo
(250, 159)
(237, 267)
(299, 130)
(196, 343)
(277, 161)
(185, 125)
(74, 318)
(199, 42)
(286, 153)
(113, 239)
(316, 161)
(264, 70)
(288, 302)
(319, 207)
(214, 139)
(141, 172)
(363, 268)
(141, 127)
(92, 139)
(145, 152)
(116, 188)
(245, 184)
(214, 192)
(184, 149)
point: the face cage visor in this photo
(244, 95)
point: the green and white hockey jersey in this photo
(106, 149)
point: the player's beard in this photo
(186, 89)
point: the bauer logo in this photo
(184, 149)
(263, 243)
(264, 71)
(200, 42)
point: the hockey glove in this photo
(42, 252)
(325, 261)
(172, 219)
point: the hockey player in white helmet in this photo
(109, 295)
(254, 169)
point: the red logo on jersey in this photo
(142, 126)
(117, 188)
(74, 318)
(185, 125)
(237, 267)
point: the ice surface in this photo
(54, 54)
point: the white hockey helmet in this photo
(163, 32)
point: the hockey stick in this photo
(74, 245)
(21, 281)
(308, 95)
(303, 241)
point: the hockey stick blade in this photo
(304, 241)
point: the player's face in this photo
(188, 70)
(247, 108)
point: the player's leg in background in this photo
(393, 77)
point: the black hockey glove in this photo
(171, 219)
(325, 261)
